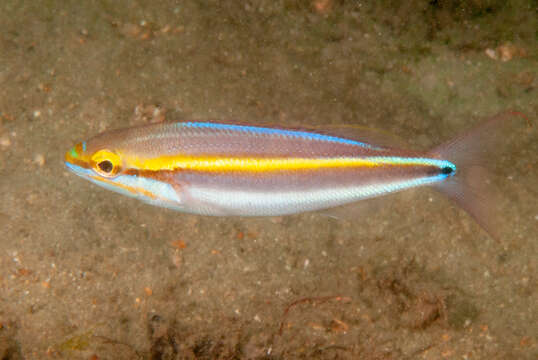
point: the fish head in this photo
(107, 160)
(104, 163)
(100, 165)
(108, 156)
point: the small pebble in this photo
(130, 30)
(491, 54)
(5, 141)
(506, 52)
(39, 159)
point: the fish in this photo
(226, 169)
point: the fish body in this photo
(225, 169)
(220, 169)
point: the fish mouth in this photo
(70, 166)
(75, 164)
(78, 170)
(75, 158)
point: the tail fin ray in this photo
(472, 152)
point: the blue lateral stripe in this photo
(270, 131)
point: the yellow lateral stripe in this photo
(255, 164)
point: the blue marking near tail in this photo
(441, 164)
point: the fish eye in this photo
(106, 166)
(106, 163)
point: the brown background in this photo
(88, 274)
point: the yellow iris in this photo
(106, 163)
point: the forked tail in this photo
(471, 152)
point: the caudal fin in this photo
(472, 152)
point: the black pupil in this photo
(446, 170)
(106, 166)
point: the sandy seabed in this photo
(89, 274)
